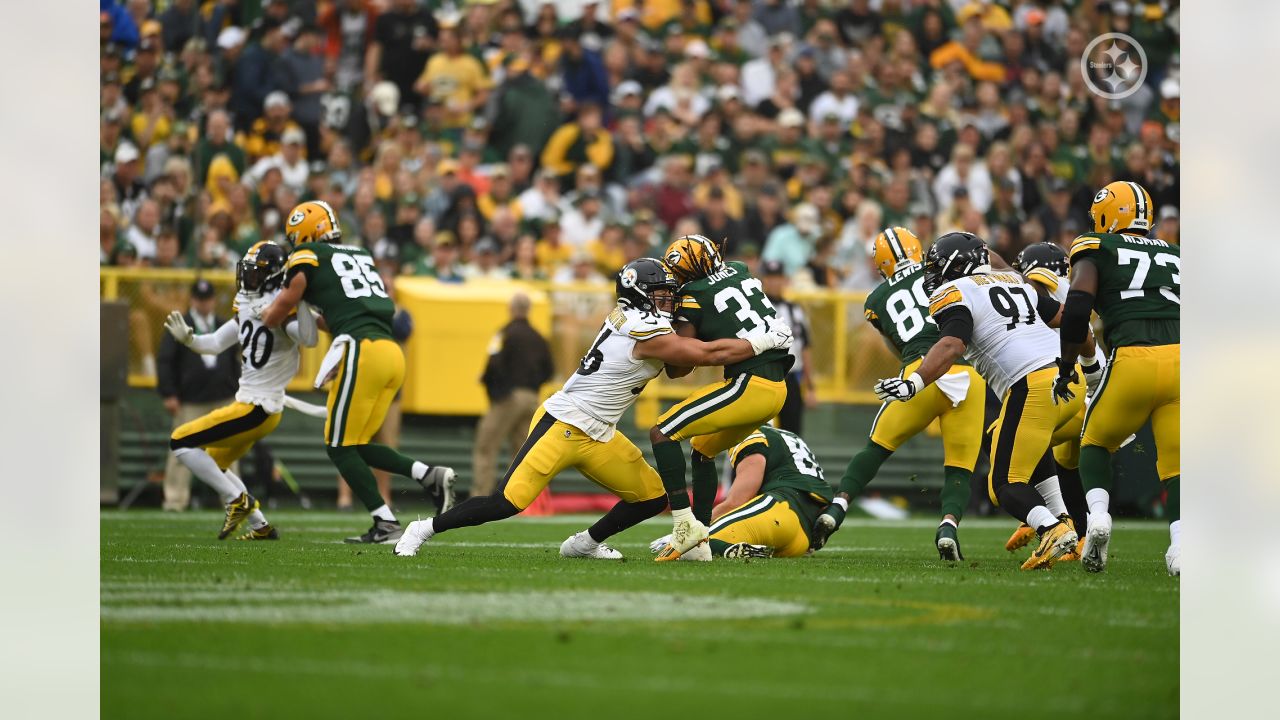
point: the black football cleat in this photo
(383, 532)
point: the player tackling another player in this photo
(576, 427)
(269, 358)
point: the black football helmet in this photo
(952, 256)
(640, 279)
(262, 269)
(1047, 255)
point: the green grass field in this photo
(491, 622)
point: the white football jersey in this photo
(1057, 285)
(1009, 338)
(269, 356)
(609, 377)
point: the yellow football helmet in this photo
(1122, 206)
(895, 249)
(312, 221)
(691, 257)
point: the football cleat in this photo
(825, 526)
(1173, 560)
(747, 551)
(1093, 553)
(700, 553)
(686, 534)
(1020, 537)
(439, 482)
(237, 510)
(412, 538)
(1072, 555)
(266, 532)
(656, 546)
(1054, 543)
(580, 545)
(383, 532)
(947, 541)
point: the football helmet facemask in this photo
(691, 257)
(953, 256)
(312, 221)
(648, 285)
(896, 248)
(262, 268)
(1122, 207)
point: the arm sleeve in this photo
(215, 342)
(955, 321)
(1074, 327)
(1047, 307)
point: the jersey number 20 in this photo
(359, 277)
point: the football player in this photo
(576, 427)
(718, 300)
(342, 283)
(994, 320)
(771, 509)
(1044, 265)
(1133, 281)
(899, 309)
(269, 357)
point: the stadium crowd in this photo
(559, 140)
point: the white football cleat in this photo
(414, 536)
(656, 546)
(686, 534)
(580, 545)
(700, 553)
(1173, 560)
(1093, 554)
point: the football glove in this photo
(891, 389)
(1067, 376)
(1093, 368)
(178, 328)
(776, 336)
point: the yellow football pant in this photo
(1066, 442)
(368, 379)
(763, 520)
(1023, 433)
(1140, 383)
(898, 422)
(226, 433)
(554, 446)
(722, 414)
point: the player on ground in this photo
(341, 281)
(576, 427)
(899, 309)
(1133, 281)
(718, 301)
(777, 492)
(209, 445)
(995, 320)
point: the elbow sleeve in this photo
(1075, 316)
(1047, 308)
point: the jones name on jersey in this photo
(609, 377)
(1009, 338)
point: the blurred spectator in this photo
(259, 71)
(800, 389)
(306, 83)
(963, 171)
(580, 141)
(130, 191)
(181, 22)
(267, 132)
(581, 70)
(289, 158)
(454, 79)
(519, 364)
(193, 385)
(525, 111)
(217, 140)
(792, 243)
(145, 229)
(584, 222)
(348, 26)
(404, 37)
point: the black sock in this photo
(1018, 499)
(1073, 497)
(705, 484)
(624, 515)
(475, 511)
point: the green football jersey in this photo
(345, 287)
(791, 471)
(1139, 287)
(732, 304)
(899, 309)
